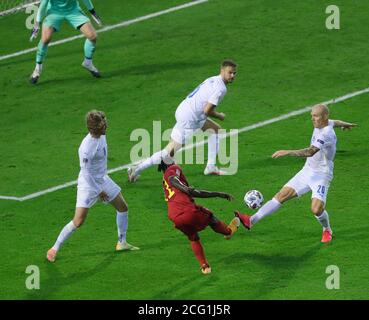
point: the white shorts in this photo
(183, 131)
(306, 180)
(186, 125)
(87, 197)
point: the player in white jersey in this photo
(193, 114)
(94, 184)
(315, 176)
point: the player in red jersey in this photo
(189, 217)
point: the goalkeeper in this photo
(52, 13)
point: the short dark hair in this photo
(164, 165)
(228, 63)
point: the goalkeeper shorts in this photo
(76, 18)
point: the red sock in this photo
(221, 227)
(199, 252)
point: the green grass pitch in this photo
(287, 60)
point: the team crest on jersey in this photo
(320, 141)
(85, 160)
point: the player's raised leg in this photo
(213, 147)
(122, 223)
(220, 227)
(167, 153)
(47, 33)
(273, 205)
(317, 208)
(79, 217)
(89, 48)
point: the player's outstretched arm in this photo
(307, 152)
(176, 183)
(344, 125)
(210, 194)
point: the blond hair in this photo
(95, 121)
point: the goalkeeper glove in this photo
(96, 17)
(35, 31)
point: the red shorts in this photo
(192, 221)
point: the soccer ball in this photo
(253, 199)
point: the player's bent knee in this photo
(47, 35)
(119, 203)
(285, 194)
(317, 210)
(317, 206)
(92, 37)
(123, 207)
(78, 222)
(46, 39)
(281, 196)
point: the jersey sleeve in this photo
(217, 96)
(322, 140)
(86, 153)
(41, 10)
(88, 4)
(331, 123)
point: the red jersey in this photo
(178, 201)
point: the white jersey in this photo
(93, 155)
(322, 162)
(212, 90)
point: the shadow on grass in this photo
(54, 279)
(135, 70)
(280, 270)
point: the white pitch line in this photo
(3, 13)
(284, 116)
(244, 129)
(9, 198)
(108, 28)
